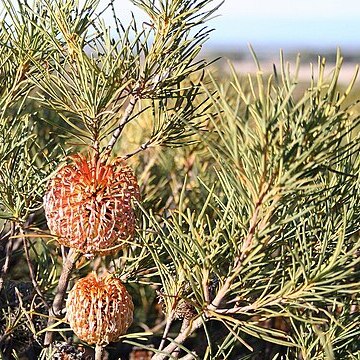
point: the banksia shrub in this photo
(99, 310)
(88, 205)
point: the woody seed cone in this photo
(88, 205)
(99, 310)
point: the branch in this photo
(197, 323)
(236, 310)
(8, 252)
(142, 147)
(186, 322)
(99, 351)
(167, 329)
(189, 357)
(32, 272)
(123, 121)
(56, 308)
(238, 261)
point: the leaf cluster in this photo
(278, 258)
(93, 78)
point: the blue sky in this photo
(274, 24)
(297, 24)
(290, 23)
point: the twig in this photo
(5, 267)
(57, 305)
(142, 147)
(198, 322)
(155, 329)
(185, 324)
(32, 272)
(98, 352)
(189, 357)
(24, 311)
(236, 310)
(123, 121)
(166, 330)
(8, 252)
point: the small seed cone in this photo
(88, 205)
(99, 310)
(184, 310)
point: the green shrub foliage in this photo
(247, 243)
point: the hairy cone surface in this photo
(99, 310)
(88, 205)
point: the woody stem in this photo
(55, 310)
(98, 352)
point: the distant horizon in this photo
(269, 25)
(277, 47)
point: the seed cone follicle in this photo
(99, 310)
(89, 204)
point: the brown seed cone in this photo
(99, 310)
(184, 310)
(88, 205)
